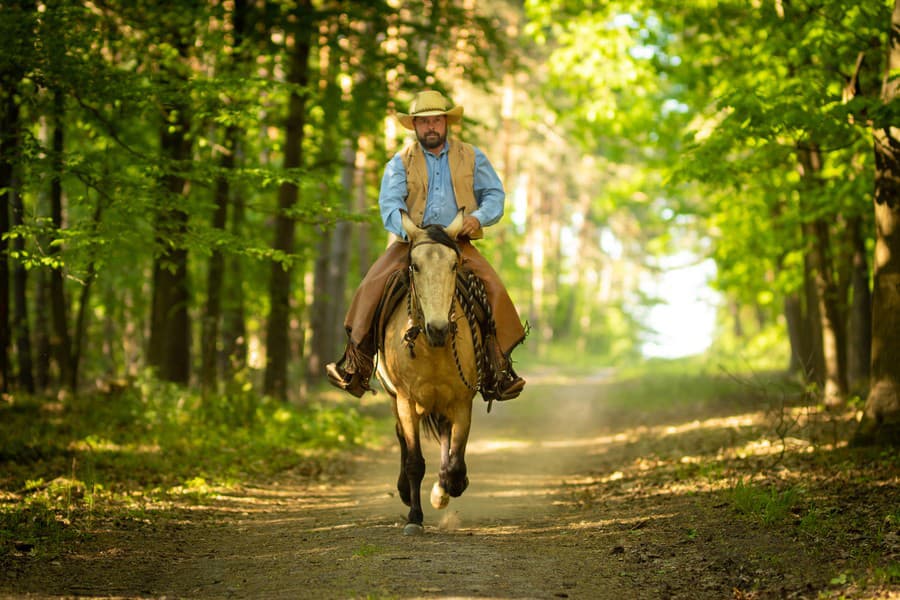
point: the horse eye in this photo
(414, 268)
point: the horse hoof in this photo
(439, 497)
(413, 529)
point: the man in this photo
(431, 179)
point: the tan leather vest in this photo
(461, 157)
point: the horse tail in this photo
(433, 424)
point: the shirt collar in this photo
(443, 152)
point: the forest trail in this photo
(567, 499)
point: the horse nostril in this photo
(437, 335)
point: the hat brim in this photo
(453, 116)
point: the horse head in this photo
(434, 260)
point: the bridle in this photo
(414, 312)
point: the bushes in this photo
(67, 462)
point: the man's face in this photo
(431, 131)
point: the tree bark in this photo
(22, 327)
(170, 327)
(9, 150)
(340, 255)
(833, 332)
(216, 273)
(327, 316)
(321, 342)
(19, 20)
(812, 324)
(859, 334)
(277, 338)
(234, 327)
(60, 343)
(81, 317)
(881, 420)
(817, 236)
(42, 332)
(793, 315)
(209, 345)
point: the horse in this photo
(431, 383)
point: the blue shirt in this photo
(440, 207)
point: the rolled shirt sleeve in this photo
(488, 191)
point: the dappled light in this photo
(705, 483)
(674, 223)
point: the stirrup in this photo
(512, 390)
(349, 382)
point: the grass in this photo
(66, 463)
(367, 550)
(765, 503)
(766, 448)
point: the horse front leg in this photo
(452, 480)
(402, 479)
(412, 467)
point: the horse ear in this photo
(455, 227)
(409, 226)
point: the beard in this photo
(432, 140)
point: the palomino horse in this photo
(431, 380)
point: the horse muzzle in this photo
(437, 334)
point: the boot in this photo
(508, 384)
(502, 383)
(352, 372)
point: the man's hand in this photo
(469, 227)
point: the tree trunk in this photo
(60, 343)
(737, 325)
(319, 325)
(170, 327)
(216, 273)
(327, 316)
(859, 334)
(234, 327)
(81, 318)
(277, 338)
(340, 256)
(22, 327)
(209, 345)
(362, 231)
(9, 150)
(793, 315)
(833, 332)
(42, 332)
(881, 420)
(812, 324)
(826, 293)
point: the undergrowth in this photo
(65, 463)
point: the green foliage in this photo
(367, 550)
(707, 107)
(768, 505)
(85, 457)
(35, 528)
(110, 81)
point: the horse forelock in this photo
(439, 235)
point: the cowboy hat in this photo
(428, 104)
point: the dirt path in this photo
(559, 506)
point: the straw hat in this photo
(428, 104)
